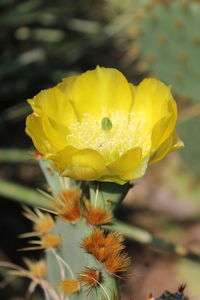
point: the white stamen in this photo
(127, 131)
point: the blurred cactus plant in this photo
(167, 37)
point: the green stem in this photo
(22, 194)
(142, 236)
(16, 156)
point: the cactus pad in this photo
(169, 40)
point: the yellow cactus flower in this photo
(98, 126)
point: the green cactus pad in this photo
(169, 41)
(74, 257)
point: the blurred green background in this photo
(42, 42)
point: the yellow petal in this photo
(61, 159)
(129, 166)
(86, 164)
(100, 90)
(46, 138)
(173, 143)
(112, 178)
(55, 132)
(133, 91)
(54, 104)
(35, 130)
(153, 101)
(162, 130)
(66, 86)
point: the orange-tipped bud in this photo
(67, 205)
(45, 224)
(50, 241)
(97, 216)
(90, 277)
(36, 268)
(117, 263)
(46, 242)
(101, 243)
(42, 222)
(69, 286)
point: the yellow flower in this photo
(98, 126)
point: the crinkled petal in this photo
(66, 86)
(173, 143)
(99, 91)
(86, 164)
(129, 166)
(162, 130)
(55, 105)
(62, 159)
(112, 178)
(153, 101)
(55, 132)
(35, 130)
(46, 137)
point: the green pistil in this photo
(106, 124)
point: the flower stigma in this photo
(106, 124)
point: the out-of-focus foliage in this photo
(42, 43)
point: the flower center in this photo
(111, 136)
